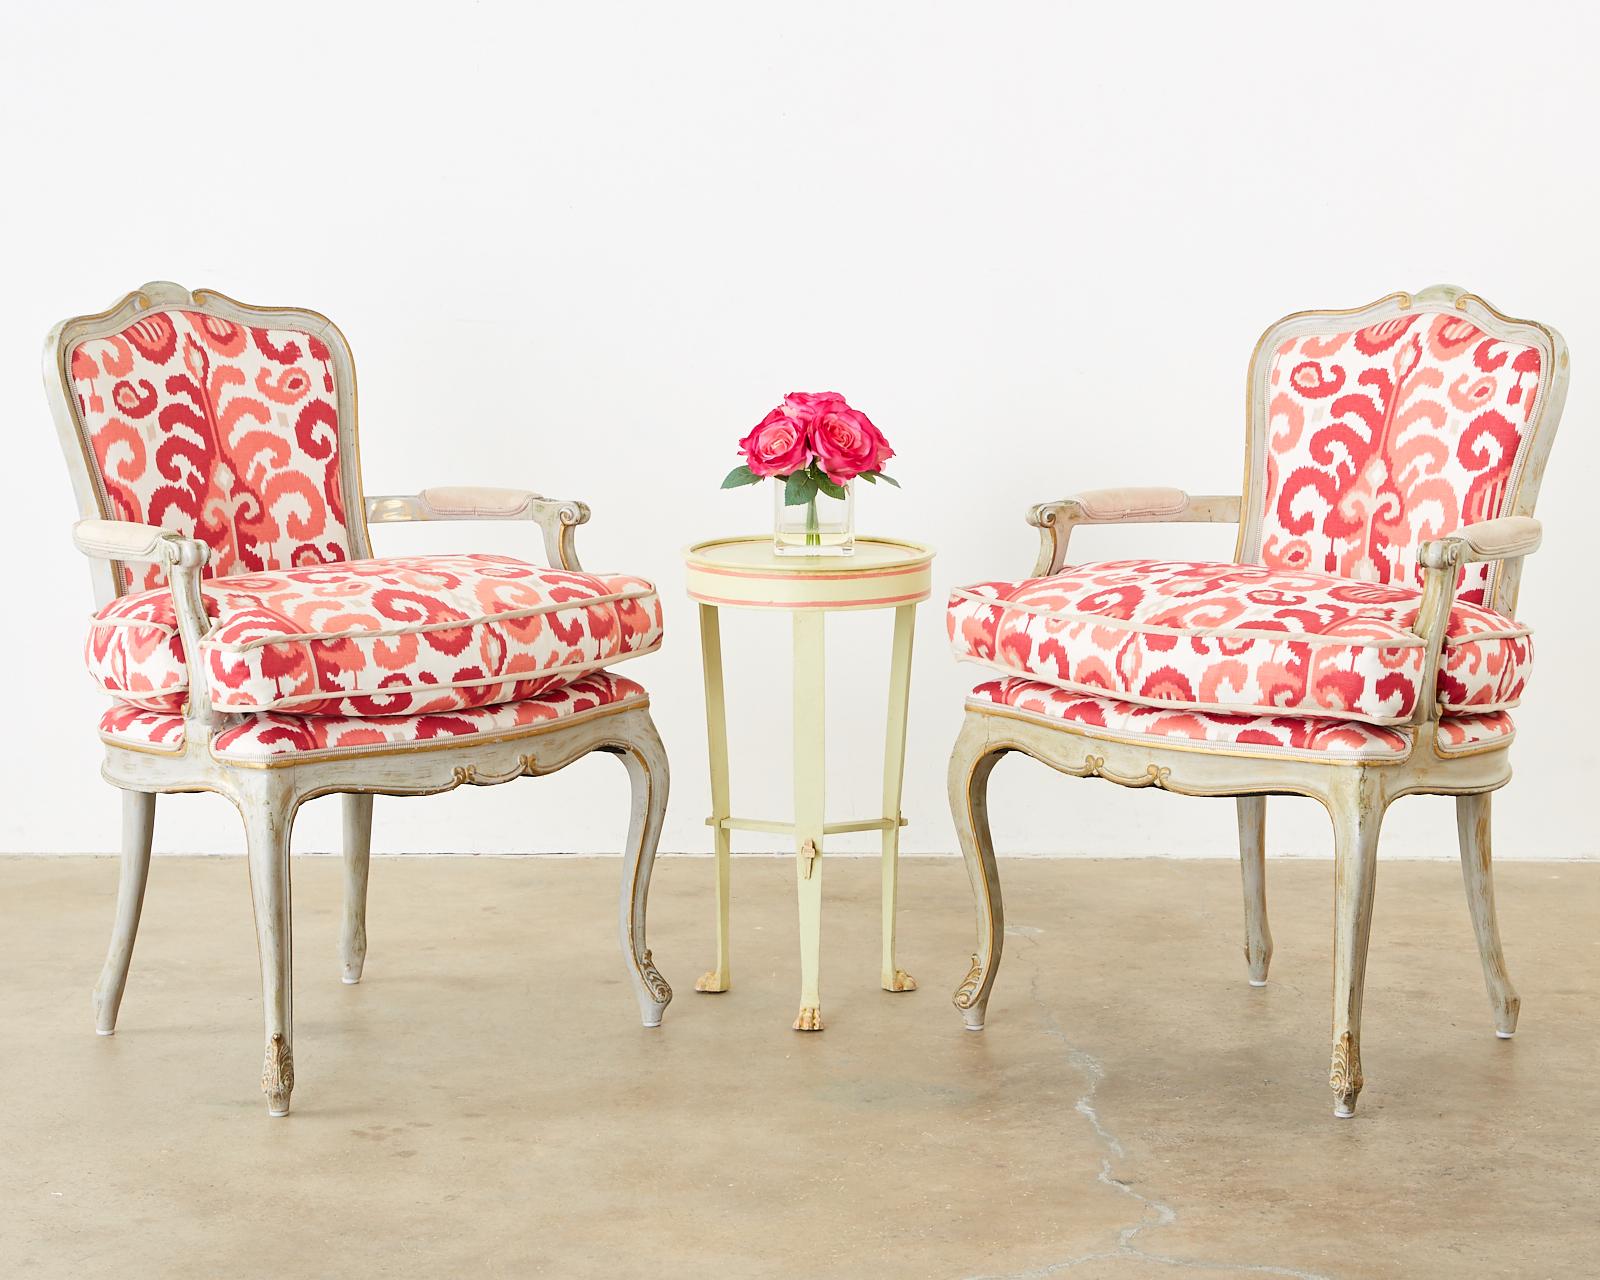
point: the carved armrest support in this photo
(185, 559)
(1507, 540)
(557, 520)
(1153, 505)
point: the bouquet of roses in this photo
(815, 443)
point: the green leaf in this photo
(889, 479)
(740, 475)
(871, 477)
(827, 486)
(799, 489)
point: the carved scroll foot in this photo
(277, 1075)
(900, 981)
(1344, 1078)
(973, 1009)
(711, 981)
(658, 989)
(809, 1018)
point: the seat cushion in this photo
(1313, 737)
(1236, 639)
(406, 635)
(273, 737)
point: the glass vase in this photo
(820, 526)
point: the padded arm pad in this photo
(1501, 539)
(137, 543)
(1131, 503)
(476, 502)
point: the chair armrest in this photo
(1507, 540)
(130, 542)
(135, 543)
(1502, 539)
(557, 520)
(1154, 505)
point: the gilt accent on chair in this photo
(255, 647)
(1363, 644)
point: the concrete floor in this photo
(486, 1104)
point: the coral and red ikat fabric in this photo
(221, 431)
(1271, 735)
(1236, 638)
(1381, 438)
(272, 736)
(398, 636)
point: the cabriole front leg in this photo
(646, 762)
(268, 810)
(138, 829)
(1357, 805)
(971, 763)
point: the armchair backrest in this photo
(1374, 430)
(229, 423)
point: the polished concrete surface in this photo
(485, 1103)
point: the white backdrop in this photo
(581, 248)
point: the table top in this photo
(745, 572)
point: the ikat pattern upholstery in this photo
(1237, 639)
(221, 431)
(1382, 438)
(402, 636)
(271, 736)
(1270, 735)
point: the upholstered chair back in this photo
(225, 426)
(1377, 432)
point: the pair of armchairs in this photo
(1360, 646)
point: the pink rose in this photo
(777, 446)
(846, 443)
(805, 405)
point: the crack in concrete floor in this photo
(1155, 1213)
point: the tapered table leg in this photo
(719, 978)
(894, 767)
(810, 797)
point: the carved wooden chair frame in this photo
(268, 795)
(1354, 793)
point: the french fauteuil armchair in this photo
(1361, 646)
(253, 646)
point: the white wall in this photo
(581, 247)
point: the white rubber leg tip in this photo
(656, 1023)
(348, 980)
(1344, 1113)
(1258, 982)
(276, 1114)
(1503, 1035)
(970, 1027)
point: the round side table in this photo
(745, 573)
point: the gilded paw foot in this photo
(710, 982)
(902, 981)
(809, 1018)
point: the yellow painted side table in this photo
(745, 573)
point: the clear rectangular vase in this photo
(820, 526)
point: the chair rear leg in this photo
(357, 855)
(1472, 824)
(138, 830)
(1253, 866)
